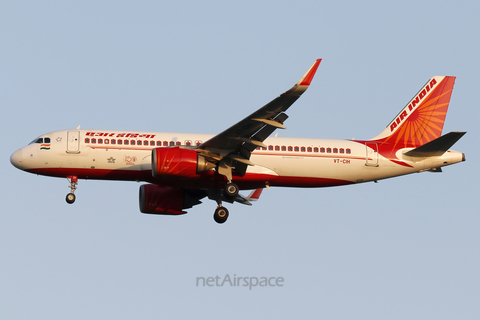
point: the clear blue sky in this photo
(405, 248)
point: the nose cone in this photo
(16, 159)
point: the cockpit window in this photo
(40, 140)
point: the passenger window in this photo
(172, 143)
(119, 141)
(114, 141)
(159, 143)
(315, 149)
(125, 142)
(107, 141)
(87, 140)
(165, 143)
(277, 148)
(349, 151)
(178, 143)
(270, 148)
(132, 142)
(284, 148)
(342, 150)
(335, 150)
(100, 140)
(329, 150)
(303, 149)
(309, 149)
(297, 149)
(322, 150)
(290, 148)
(188, 143)
(94, 140)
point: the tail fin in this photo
(422, 119)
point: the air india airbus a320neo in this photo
(181, 168)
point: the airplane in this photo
(180, 169)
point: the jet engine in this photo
(157, 199)
(178, 162)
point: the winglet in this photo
(255, 194)
(308, 76)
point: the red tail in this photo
(421, 120)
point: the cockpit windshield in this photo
(40, 140)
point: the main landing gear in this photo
(230, 192)
(73, 186)
(221, 214)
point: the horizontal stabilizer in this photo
(436, 147)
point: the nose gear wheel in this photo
(73, 186)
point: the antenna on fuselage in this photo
(78, 127)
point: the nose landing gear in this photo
(73, 186)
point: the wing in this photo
(232, 148)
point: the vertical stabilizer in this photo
(422, 119)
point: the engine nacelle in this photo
(179, 162)
(167, 200)
(161, 200)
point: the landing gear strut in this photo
(221, 213)
(229, 194)
(73, 186)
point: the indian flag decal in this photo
(45, 146)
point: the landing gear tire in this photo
(220, 215)
(70, 198)
(73, 186)
(231, 190)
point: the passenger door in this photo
(372, 154)
(73, 142)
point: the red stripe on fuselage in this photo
(208, 179)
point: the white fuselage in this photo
(291, 162)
